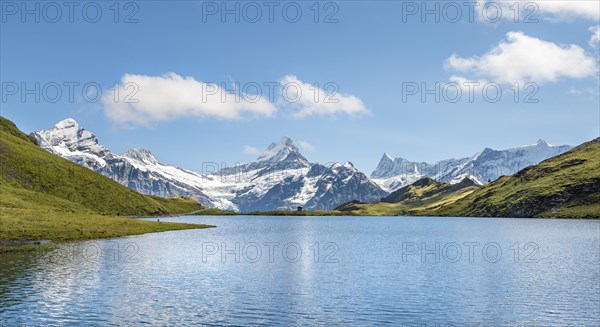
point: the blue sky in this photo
(370, 55)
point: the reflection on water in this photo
(317, 271)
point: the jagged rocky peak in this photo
(389, 166)
(484, 166)
(287, 141)
(64, 130)
(66, 124)
(69, 129)
(140, 155)
(386, 158)
(312, 186)
(386, 164)
(279, 150)
(284, 151)
(68, 134)
(336, 167)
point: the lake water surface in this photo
(307, 271)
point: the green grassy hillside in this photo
(423, 194)
(43, 196)
(565, 186)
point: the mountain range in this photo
(45, 197)
(281, 178)
(564, 186)
(482, 168)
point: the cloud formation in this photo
(306, 146)
(250, 150)
(554, 10)
(594, 41)
(142, 100)
(569, 9)
(307, 100)
(522, 58)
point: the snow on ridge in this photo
(277, 179)
(484, 166)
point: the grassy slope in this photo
(425, 193)
(565, 186)
(43, 196)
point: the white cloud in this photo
(554, 10)
(522, 58)
(307, 100)
(467, 84)
(250, 150)
(587, 91)
(594, 41)
(142, 100)
(587, 9)
(306, 146)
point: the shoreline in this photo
(73, 227)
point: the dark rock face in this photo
(273, 199)
(332, 187)
(340, 184)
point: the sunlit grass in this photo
(565, 186)
(45, 197)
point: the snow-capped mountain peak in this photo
(66, 124)
(388, 165)
(482, 167)
(281, 178)
(278, 156)
(285, 141)
(68, 133)
(279, 151)
(136, 168)
(68, 139)
(142, 155)
(345, 165)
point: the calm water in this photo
(305, 271)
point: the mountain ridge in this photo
(44, 196)
(424, 193)
(564, 186)
(280, 178)
(482, 167)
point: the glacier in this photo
(281, 178)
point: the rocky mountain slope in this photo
(43, 196)
(137, 169)
(280, 178)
